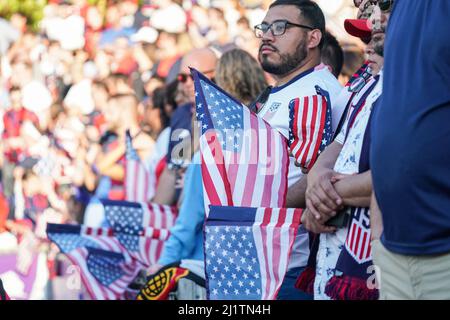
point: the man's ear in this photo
(315, 36)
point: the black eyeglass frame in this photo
(258, 27)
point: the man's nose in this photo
(268, 36)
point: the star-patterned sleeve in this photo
(341, 136)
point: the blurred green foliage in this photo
(32, 9)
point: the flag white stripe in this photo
(143, 241)
(256, 229)
(90, 281)
(309, 116)
(270, 233)
(285, 240)
(211, 167)
(317, 125)
(261, 174)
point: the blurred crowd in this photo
(70, 90)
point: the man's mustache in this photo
(266, 45)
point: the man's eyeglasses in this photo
(278, 28)
(385, 5)
(182, 77)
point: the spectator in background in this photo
(114, 28)
(353, 59)
(218, 36)
(8, 35)
(118, 83)
(13, 142)
(204, 60)
(332, 54)
(94, 27)
(122, 115)
(239, 74)
(168, 16)
(245, 38)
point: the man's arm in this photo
(295, 197)
(165, 192)
(355, 190)
(106, 163)
(321, 197)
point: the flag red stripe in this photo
(323, 108)
(315, 108)
(252, 166)
(304, 120)
(209, 185)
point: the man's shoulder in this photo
(327, 81)
(306, 85)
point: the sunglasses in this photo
(183, 77)
(277, 28)
(385, 5)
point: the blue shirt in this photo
(410, 154)
(110, 35)
(186, 236)
(180, 131)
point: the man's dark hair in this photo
(332, 53)
(15, 88)
(100, 84)
(310, 11)
(124, 96)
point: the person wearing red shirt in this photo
(13, 143)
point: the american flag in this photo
(141, 228)
(247, 251)
(310, 127)
(244, 160)
(358, 238)
(140, 182)
(105, 267)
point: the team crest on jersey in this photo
(358, 239)
(274, 107)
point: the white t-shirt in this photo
(347, 163)
(276, 112)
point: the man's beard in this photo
(289, 62)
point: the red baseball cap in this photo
(358, 28)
